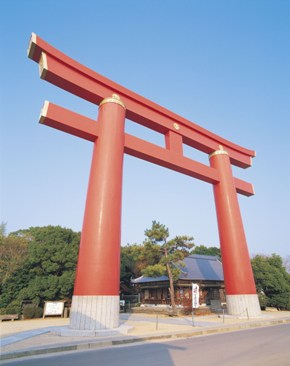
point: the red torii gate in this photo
(95, 303)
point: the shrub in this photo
(263, 300)
(31, 311)
(13, 308)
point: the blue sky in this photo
(224, 65)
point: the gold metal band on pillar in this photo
(113, 99)
(218, 152)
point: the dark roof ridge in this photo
(203, 256)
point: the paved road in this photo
(268, 346)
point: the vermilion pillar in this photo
(242, 299)
(95, 303)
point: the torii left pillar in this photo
(95, 303)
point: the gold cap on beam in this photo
(221, 151)
(113, 99)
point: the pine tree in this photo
(168, 255)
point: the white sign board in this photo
(195, 296)
(53, 308)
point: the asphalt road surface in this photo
(267, 346)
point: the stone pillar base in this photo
(94, 312)
(243, 306)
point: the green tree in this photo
(48, 271)
(13, 252)
(166, 255)
(272, 280)
(202, 249)
(132, 258)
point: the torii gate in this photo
(95, 303)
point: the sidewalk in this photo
(23, 338)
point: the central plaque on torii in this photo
(95, 303)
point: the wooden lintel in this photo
(76, 124)
(70, 75)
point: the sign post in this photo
(195, 299)
(53, 308)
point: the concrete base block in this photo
(243, 306)
(68, 332)
(94, 313)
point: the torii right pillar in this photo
(241, 296)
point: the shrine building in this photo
(204, 270)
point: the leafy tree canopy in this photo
(132, 262)
(272, 280)
(13, 252)
(48, 270)
(202, 249)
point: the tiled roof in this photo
(196, 267)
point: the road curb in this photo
(137, 339)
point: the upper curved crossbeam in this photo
(68, 74)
